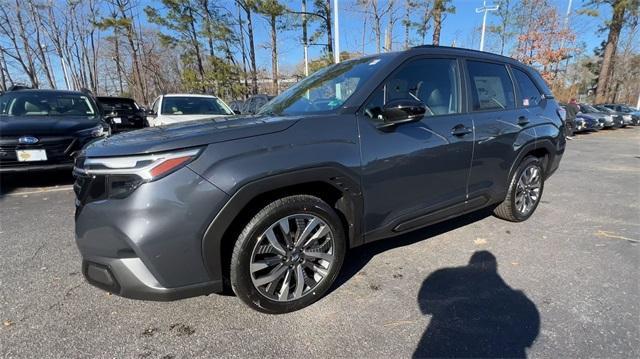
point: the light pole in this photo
(304, 37)
(485, 9)
(336, 25)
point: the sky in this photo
(460, 28)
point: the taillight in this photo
(562, 113)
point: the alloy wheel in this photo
(292, 257)
(528, 189)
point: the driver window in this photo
(434, 82)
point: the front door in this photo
(414, 172)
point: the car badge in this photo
(28, 140)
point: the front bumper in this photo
(148, 245)
(130, 278)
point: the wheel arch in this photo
(540, 148)
(333, 185)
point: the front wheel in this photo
(525, 191)
(288, 255)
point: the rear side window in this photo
(528, 91)
(491, 86)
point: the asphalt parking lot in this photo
(566, 282)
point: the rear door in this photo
(413, 173)
(501, 127)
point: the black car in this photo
(236, 106)
(605, 118)
(632, 115)
(255, 103)
(587, 123)
(43, 129)
(122, 113)
(363, 150)
(618, 117)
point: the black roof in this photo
(460, 51)
(50, 91)
(114, 98)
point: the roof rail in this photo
(458, 48)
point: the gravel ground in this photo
(566, 282)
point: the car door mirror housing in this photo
(402, 110)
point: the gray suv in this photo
(269, 205)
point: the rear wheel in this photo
(288, 255)
(525, 191)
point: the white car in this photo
(175, 108)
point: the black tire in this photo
(240, 275)
(507, 209)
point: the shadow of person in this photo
(475, 313)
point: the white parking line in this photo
(45, 190)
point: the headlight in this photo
(118, 177)
(147, 167)
(97, 131)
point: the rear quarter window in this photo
(529, 92)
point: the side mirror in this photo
(237, 112)
(402, 110)
(149, 112)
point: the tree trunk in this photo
(33, 76)
(116, 44)
(274, 54)
(407, 24)
(196, 47)
(437, 22)
(329, 34)
(617, 20)
(244, 55)
(134, 53)
(252, 53)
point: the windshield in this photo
(325, 90)
(35, 103)
(588, 108)
(194, 106)
(604, 109)
(114, 104)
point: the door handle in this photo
(523, 120)
(461, 130)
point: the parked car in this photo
(43, 129)
(362, 150)
(175, 108)
(631, 115)
(255, 103)
(605, 117)
(236, 106)
(122, 113)
(588, 123)
(618, 117)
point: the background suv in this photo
(43, 129)
(175, 108)
(362, 150)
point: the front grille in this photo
(59, 150)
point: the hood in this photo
(45, 125)
(187, 134)
(182, 118)
(588, 116)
